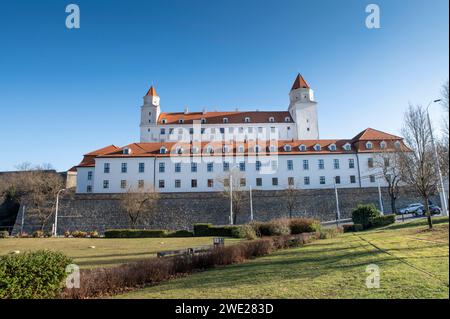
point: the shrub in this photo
(352, 228)
(244, 231)
(94, 234)
(181, 233)
(279, 227)
(38, 234)
(202, 229)
(135, 233)
(261, 228)
(79, 234)
(330, 232)
(36, 275)
(383, 220)
(304, 225)
(364, 215)
(4, 234)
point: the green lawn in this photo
(413, 263)
(107, 252)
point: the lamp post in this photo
(55, 230)
(438, 166)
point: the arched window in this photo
(225, 119)
(203, 120)
(302, 148)
(347, 147)
(181, 121)
(247, 120)
(287, 119)
(332, 147)
(241, 149)
(163, 121)
(287, 148)
(369, 145)
(383, 145)
(195, 150)
(163, 150)
(179, 150)
(272, 148)
(397, 144)
(271, 119)
(317, 147)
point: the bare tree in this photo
(443, 142)
(138, 203)
(290, 197)
(388, 166)
(418, 167)
(237, 182)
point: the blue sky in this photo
(66, 92)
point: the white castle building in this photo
(202, 151)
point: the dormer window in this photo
(195, 150)
(163, 121)
(209, 150)
(272, 148)
(163, 150)
(257, 148)
(332, 147)
(287, 148)
(347, 147)
(369, 145)
(225, 149)
(317, 147)
(126, 151)
(383, 145)
(397, 144)
(180, 121)
(203, 120)
(247, 120)
(271, 119)
(225, 119)
(287, 119)
(179, 150)
(302, 148)
(241, 149)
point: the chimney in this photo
(186, 110)
(204, 111)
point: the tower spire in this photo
(152, 92)
(300, 83)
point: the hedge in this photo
(181, 233)
(383, 220)
(202, 230)
(135, 233)
(32, 275)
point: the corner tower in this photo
(303, 109)
(150, 111)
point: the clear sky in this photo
(66, 92)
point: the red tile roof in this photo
(300, 83)
(152, 91)
(217, 117)
(89, 158)
(370, 134)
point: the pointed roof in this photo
(152, 92)
(371, 134)
(300, 83)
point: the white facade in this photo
(290, 139)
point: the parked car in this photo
(434, 210)
(416, 208)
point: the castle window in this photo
(177, 183)
(287, 148)
(258, 165)
(163, 150)
(193, 183)
(302, 147)
(332, 147)
(180, 121)
(141, 183)
(89, 176)
(321, 164)
(123, 184)
(225, 149)
(271, 119)
(383, 145)
(209, 150)
(247, 120)
(162, 167)
(106, 167)
(290, 165)
(124, 167)
(336, 163)
(210, 183)
(306, 180)
(105, 184)
(351, 163)
(397, 144)
(241, 149)
(347, 147)
(317, 147)
(259, 181)
(272, 148)
(195, 150)
(177, 167)
(274, 181)
(193, 167)
(257, 148)
(291, 181)
(372, 178)
(287, 119)
(322, 180)
(242, 166)
(126, 151)
(161, 183)
(210, 167)
(369, 145)
(242, 182)
(305, 165)
(203, 120)
(141, 167)
(163, 131)
(225, 119)
(89, 189)
(226, 166)
(163, 121)
(370, 162)
(352, 179)
(337, 179)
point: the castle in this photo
(206, 151)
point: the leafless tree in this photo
(418, 167)
(139, 203)
(389, 168)
(238, 190)
(36, 186)
(290, 197)
(443, 142)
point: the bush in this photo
(4, 234)
(38, 234)
(181, 233)
(202, 230)
(244, 231)
(279, 227)
(32, 275)
(304, 225)
(330, 232)
(364, 215)
(352, 228)
(135, 233)
(93, 234)
(383, 220)
(79, 234)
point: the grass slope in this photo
(107, 252)
(413, 263)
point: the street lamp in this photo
(438, 166)
(55, 230)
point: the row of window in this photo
(225, 120)
(242, 182)
(221, 130)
